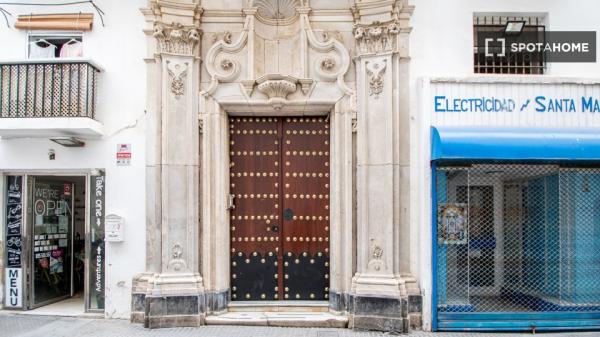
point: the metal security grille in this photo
(62, 89)
(518, 239)
(516, 63)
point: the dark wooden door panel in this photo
(305, 150)
(280, 224)
(254, 178)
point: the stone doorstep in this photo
(278, 306)
(281, 319)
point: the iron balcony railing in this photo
(48, 88)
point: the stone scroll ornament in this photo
(177, 75)
(328, 58)
(375, 71)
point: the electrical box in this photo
(114, 228)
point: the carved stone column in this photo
(382, 283)
(172, 293)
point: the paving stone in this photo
(16, 325)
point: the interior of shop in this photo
(57, 227)
(517, 238)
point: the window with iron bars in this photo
(513, 63)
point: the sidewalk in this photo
(15, 325)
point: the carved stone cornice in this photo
(176, 38)
(161, 8)
(277, 88)
(376, 37)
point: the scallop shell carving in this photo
(276, 9)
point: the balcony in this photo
(49, 98)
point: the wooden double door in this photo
(279, 179)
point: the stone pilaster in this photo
(171, 292)
(382, 285)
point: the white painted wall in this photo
(119, 48)
(441, 45)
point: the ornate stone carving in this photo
(277, 86)
(328, 63)
(226, 64)
(305, 84)
(328, 59)
(375, 263)
(177, 263)
(221, 62)
(176, 38)
(227, 37)
(177, 75)
(375, 71)
(376, 37)
(277, 9)
(354, 125)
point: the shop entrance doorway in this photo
(280, 218)
(54, 243)
(57, 226)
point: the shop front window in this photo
(518, 238)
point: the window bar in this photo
(60, 96)
(93, 88)
(43, 89)
(25, 98)
(69, 101)
(87, 91)
(9, 88)
(35, 78)
(18, 85)
(78, 111)
(52, 67)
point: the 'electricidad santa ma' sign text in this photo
(540, 103)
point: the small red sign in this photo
(67, 189)
(123, 154)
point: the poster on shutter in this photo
(452, 223)
(123, 154)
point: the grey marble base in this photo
(174, 311)
(138, 307)
(217, 301)
(387, 324)
(397, 315)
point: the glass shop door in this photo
(51, 220)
